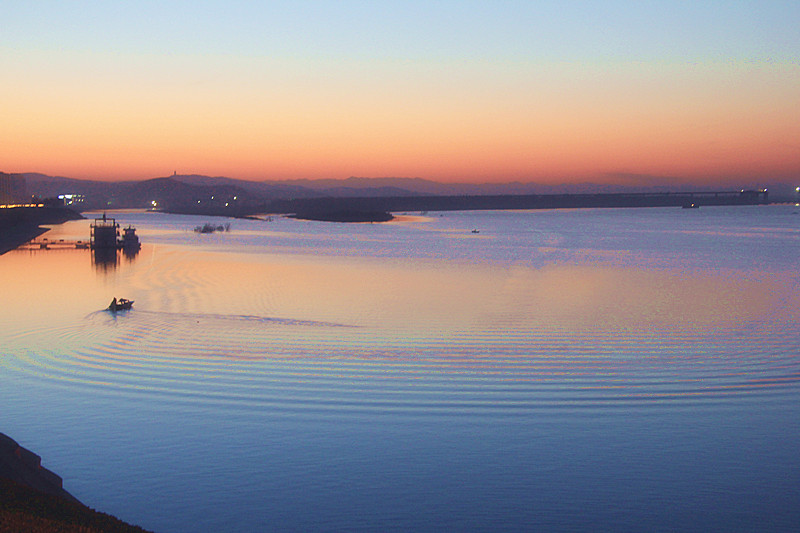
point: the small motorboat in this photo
(120, 305)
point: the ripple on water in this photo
(250, 362)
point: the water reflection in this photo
(416, 298)
(586, 324)
(105, 259)
(130, 252)
(587, 297)
(510, 357)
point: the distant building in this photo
(74, 200)
(12, 189)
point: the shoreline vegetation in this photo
(32, 498)
(208, 227)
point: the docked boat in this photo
(120, 305)
(130, 241)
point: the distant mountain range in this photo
(182, 191)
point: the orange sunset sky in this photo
(701, 92)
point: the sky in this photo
(699, 92)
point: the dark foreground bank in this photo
(32, 498)
(21, 224)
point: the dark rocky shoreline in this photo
(33, 499)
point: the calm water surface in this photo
(559, 370)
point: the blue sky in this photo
(674, 30)
(442, 89)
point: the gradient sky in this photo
(702, 92)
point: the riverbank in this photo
(32, 498)
(395, 204)
(19, 225)
(15, 236)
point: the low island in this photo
(344, 216)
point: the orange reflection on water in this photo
(48, 285)
(402, 299)
(578, 298)
(437, 299)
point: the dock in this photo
(105, 241)
(60, 244)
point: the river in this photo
(563, 370)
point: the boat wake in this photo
(208, 317)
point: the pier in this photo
(104, 234)
(60, 244)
